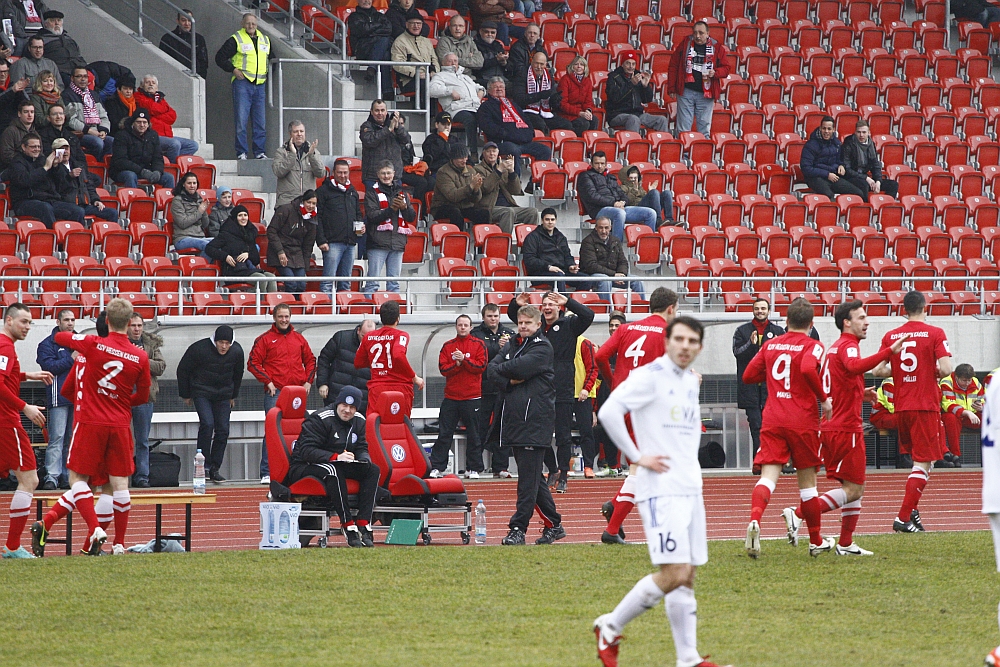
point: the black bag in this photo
(164, 469)
(712, 455)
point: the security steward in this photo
(332, 448)
(244, 55)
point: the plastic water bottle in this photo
(284, 527)
(199, 472)
(480, 522)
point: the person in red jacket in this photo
(696, 71)
(462, 362)
(577, 103)
(163, 119)
(280, 357)
(384, 352)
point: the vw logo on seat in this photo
(398, 453)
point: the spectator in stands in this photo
(236, 250)
(32, 190)
(861, 164)
(280, 357)
(398, 14)
(122, 104)
(576, 90)
(105, 76)
(523, 50)
(190, 218)
(44, 93)
(136, 154)
(59, 361)
(335, 367)
(494, 336)
(412, 46)
(209, 376)
(538, 95)
(601, 256)
(341, 224)
(457, 190)
(75, 184)
(662, 203)
(628, 91)
(142, 415)
(821, 165)
(460, 97)
(245, 56)
(297, 164)
(462, 361)
(696, 71)
(370, 32)
(390, 219)
(457, 39)
(383, 137)
(500, 186)
(85, 113)
(961, 407)
(503, 123)
(747, 340)
(60, 48)
(497, 11)
(221, 209)
(162, 118)
(495, 56)
(25, 18)
(981, 11)
(177, 45)
(437, 146)
(290, 239)
(545, 252)
(602, 196)
(13, 92)
(10, 140)
(56, 128)
(33, 61)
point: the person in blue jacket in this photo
(821, 165)
(58, 361)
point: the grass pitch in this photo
(922, 600)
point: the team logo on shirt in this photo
(555, 328)
(354, 438)
(4, 360)
(398, 453)
(394, 408)
(296, 403)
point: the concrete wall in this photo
(103, 37)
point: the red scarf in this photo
(706, 83)
(306, 215)
(760, 326)
(383, 203)
(510, 114)
(536, 86)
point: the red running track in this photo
(950, 502)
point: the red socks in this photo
(622, 509)
(811, 512)
(849, 522)
(914, 489)
(760, 498)
(123, 503)
(61, 508)
(84, 499)
(20, 508)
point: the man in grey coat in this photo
(456, 39)
(297, 164)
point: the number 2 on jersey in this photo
(635, 351)
(376, 350)
(113, 368)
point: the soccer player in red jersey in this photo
(790, 364)
(15, 446)
(384, 352)
(635, 345)
(102, 431)
(842, 436)
(923, 359)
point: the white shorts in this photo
(675, 529)
(995, 526)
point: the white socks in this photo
(682, 612)
(104, 508)
(644, 595)
(20, 504)
(833, 499)
(763, 481)
(122, 501)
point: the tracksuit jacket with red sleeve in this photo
(463, 381)
(282, 358)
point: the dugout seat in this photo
(405, 488)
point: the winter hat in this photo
(349, 396)
(224, 332)
(458, 151)
(127, 81)
(222, 189)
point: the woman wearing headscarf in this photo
(235, 249)
(291, 237)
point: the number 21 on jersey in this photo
(376, 351)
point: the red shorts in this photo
(15, 449)
(375, 391)
(920, 434)
(844, 455)
(101, 450)
(778, 444)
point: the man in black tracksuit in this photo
(522, 373)
(747, 340)
(494, 335)
(332, 448)
(335, 366)
(562, 330)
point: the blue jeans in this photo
(188, 242)
(130, 179)
(692, 105)
(248, 104)
(49, 213)
(174, 146)
(269, 402)
(60, 429)
(620, 216)
(388, 261)
(661, 202)
(537, 151)
(213, 419)
(293, 286)
(96, 146)
(602, 285)
(526, 7)
(338, 260)
(142, 418)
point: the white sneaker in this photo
(504, 474)
(852, 550)
(435, 474)
(118, 550)
(792, 524)
(827, 544)
(472, 474)
(753, 540)
(266, 479)
(97, 540)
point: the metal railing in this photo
(271, 9)
(341, 69)
(142, 17)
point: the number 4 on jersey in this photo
(635, 351)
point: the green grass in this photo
(923, 600)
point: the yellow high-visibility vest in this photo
(251, 58)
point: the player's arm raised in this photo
(74, 341)
(858, 366)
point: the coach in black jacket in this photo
(746, 342)
(332, 448)
(562, 330)
(335, 367)
(494, 335)
(522, 372)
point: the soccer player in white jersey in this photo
(991, 469)
(662, 398)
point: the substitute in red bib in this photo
(384, 352)
(790, 364)
(15, 446)
(923, 359)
